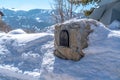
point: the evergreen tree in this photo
(85, 3)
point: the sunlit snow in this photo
(30, 56)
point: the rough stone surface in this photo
(78, 32)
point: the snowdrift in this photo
(31, 56)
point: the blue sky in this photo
(26, 4)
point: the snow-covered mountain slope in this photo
(35, 19)
(31, 56)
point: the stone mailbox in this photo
(70, 39)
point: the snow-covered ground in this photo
(30, 56)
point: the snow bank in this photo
(100, 61)
(17, 31)
(30, 56)
(13, 73)
(115, 25)
(21, 54)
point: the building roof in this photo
(1, 13)
(105, 2)
(107, 13)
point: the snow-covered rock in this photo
(17, 31)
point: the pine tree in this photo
(84, 3)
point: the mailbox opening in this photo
(64, 38)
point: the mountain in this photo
(35, 19)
